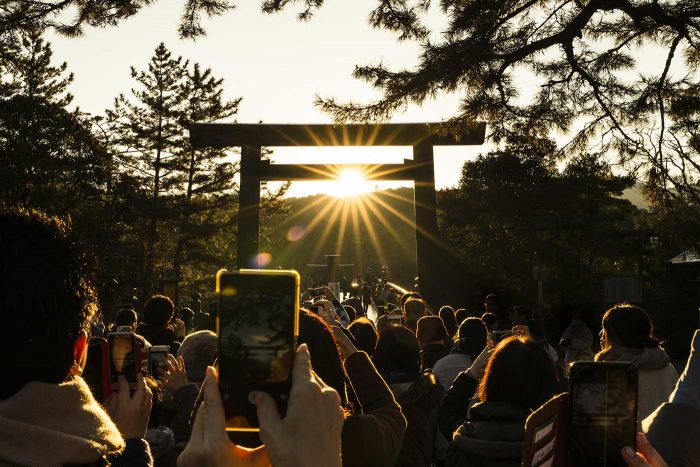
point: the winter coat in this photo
(61, 424)
(156, 335)
(454, 407)
(580, 341)
(431, 353)
(374, 435)
(674, 431)
(657, 377)
(419, 400)
(447, 368)
(491, 437)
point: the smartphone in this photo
(393, 320)
(603, 412)
(157, 359)
(124, 356)
(258, 325)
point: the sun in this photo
(350, 182)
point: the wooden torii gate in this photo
(423, 137)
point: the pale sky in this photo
(276, 63)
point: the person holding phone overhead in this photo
(627, 335)
(48, 416)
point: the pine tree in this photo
(209, 177)
(150, 137)
(51, 159)
(69, 17)
(583, 58)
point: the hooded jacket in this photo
(419, 400)
(657, 377)
(491, 437)
(447, 368)
(60, 424)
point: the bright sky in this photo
(276, 63)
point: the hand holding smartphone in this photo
(258, 325)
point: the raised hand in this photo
(175, 377)
(130, 413)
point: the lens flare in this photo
(296, 233)
(263, 259)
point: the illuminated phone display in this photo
(258, 325)
(122, 358)
(603, 412)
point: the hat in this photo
(431, 329)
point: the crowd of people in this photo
(417, 388)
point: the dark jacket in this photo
(156, 335)
(491, 437)
(419, 400)
(431, 353)
(454, 407)
(374, 436)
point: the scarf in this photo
(55, 424)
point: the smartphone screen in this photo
(157, 358)
(122, 358)
(258, 313)
(394, 320)
(603, 412)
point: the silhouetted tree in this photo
(149, 135)
(51, 159)
(582, 57)
(209, 176)
(513, 209)
(69, 17)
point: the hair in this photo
(489, 318)
(46, 298)
(198, 350)
(472, 335)
(365, 335)
(325, 358)
(158, 311)
(460, 315)
(431, 329)
(397, 351)
(520, 372)
(125, 317)
(447, 314)
(491, 296)
(352, 314)
(408, 296)
(187, 315)
(413, 310)
(629, 326)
